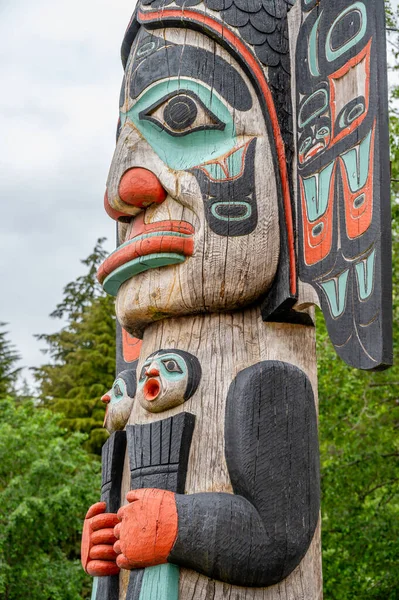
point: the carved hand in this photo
(147, 530)
(97, 553)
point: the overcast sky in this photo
(60, 76)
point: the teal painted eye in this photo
(323, 132)
(143, 371)
(171, 366)
(306, 145)
(185, 122)
(118, 391)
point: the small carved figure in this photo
(119, 400)
(167, 378)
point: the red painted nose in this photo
(152, 373)
(106, 398)
(140, 188)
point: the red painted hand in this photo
(97, 554)
(147, 530)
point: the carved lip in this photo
(157, 239)
(151, 389)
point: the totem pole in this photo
(250, 182)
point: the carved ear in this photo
(343, 202)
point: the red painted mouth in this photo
(152, 238)
(151, 389)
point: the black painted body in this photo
(258, 535)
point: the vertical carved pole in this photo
(249, 183)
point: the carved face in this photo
(119, 400)
(167, 378)
(193, 179)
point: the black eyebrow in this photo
(188, 61)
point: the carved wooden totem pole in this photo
(250, 181)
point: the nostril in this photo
(114, 214)
(139, 187)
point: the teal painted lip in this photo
(113, 282)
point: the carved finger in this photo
(101, 568)
(105, 521)
(95, 510)
(102, 552)
(117, 547)
(117, 531)
(123, 563)
(103, 536)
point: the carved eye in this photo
(182, 113)
(117, 390)
(322, 133)
(305, 145)
(172, 366)
(351, 112)
(143, 371)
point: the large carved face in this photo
(193, 180)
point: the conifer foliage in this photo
(82, 355)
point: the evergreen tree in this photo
(82, 355)
(8, 358)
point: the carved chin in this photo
(118, 415)
(195, 286)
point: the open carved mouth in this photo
(151, 389)
(150, 246)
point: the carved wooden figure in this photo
(249, 182)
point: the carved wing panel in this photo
(343, 174)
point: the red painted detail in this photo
(150, 245)
(317, 247)
(141, 188)
(106, 398)
(356, 60)
(358, 220)
(148, 529)
(131, 347)
(97, 554)
(220, 28)
(114, 214)
(151, 389)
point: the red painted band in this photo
(257, 71)
(151, 245)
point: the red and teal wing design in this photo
(343, 174)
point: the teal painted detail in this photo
(214, 171)
(312, 50)
(184, 152)
(118, 391)
(365, 276)
(332, 54)
(171, 366)
(317, 112)
(160, 583)
(335, 290)
(94, 588)
(234, 162)
(317, 191)
(245, 205)
(346, 119)
(357, 162)
(113, 282)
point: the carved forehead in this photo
(173, 53)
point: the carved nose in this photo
(152, 372)
(140, 188)
(106, 398)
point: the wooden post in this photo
(249, 183)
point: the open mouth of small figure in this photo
(150, 246)
(151, 389)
